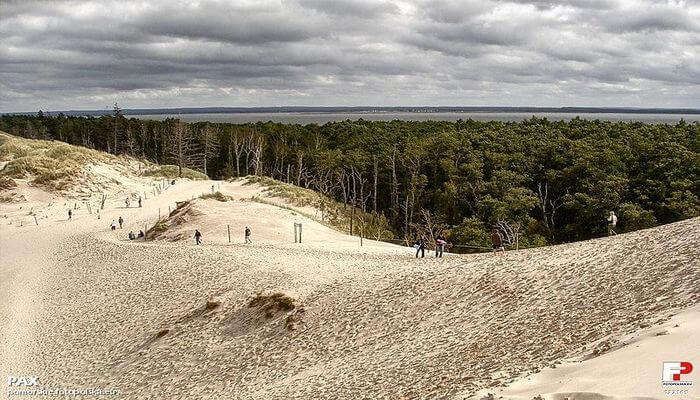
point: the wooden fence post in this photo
(228, 228)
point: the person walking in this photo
(497, 241)
(612, 223)
(114, 225)
(139, 201)
(70, 214)
(420, 247)
(197, 236)
(439, 246)
(121, 222)
(247, 236)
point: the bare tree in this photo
(115, 128)
(182, 146)
(548, 206)
(210, 144)
(258, 142)
(300, 165)
(375, 170)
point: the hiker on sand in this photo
(420, 247)
(612, 223)
(139, 201)
(121, 222)
(197, 236)
(497, 241)
(440, 243)
(114, 225)
(70, 214)
(247, 236)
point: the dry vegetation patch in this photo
(172, 172)
(184, 212)
(216, 196)
(333, 213)
(53, 165)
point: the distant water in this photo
(322, 117)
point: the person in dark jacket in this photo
(197, 236)
(497, 241)
(420, 246)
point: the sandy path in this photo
(30, 264)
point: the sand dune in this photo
(81, 306)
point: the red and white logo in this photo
(673, 372)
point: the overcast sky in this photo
(58, 55)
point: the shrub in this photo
(216, 196)
(633, 217)
(6, 183)
(272, 303)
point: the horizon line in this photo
(369, 108)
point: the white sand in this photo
(81, 306)
(631, 372)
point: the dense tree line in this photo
(553, 181)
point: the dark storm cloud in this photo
(68, 54)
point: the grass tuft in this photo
(271, 303)
(216, 196)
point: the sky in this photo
(62, 55)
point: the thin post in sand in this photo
(297, 231)
(228, 228)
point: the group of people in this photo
(114, 224)
(133, 236)
(246, 233)
(127, 202)
(440, 244)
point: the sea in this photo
(320, 118)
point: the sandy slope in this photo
(631, 372)
(80, 306)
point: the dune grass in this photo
(7, 183)
(216, 196)
(171, 172)
(50, 164)
(334, 214)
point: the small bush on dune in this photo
(272, 303)
(156, 230)
(215, 196)
(6, 183)
(9, 150)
